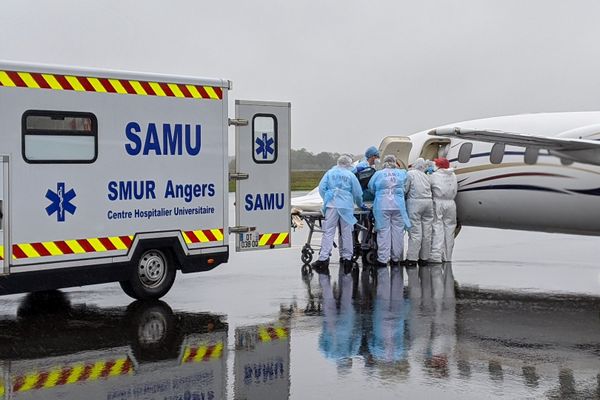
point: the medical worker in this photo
(340, 338)
(364, 171)
(429, 167)
(420, 212)
(443, 189)
(389, 211)
(339, 189)
(370, 160)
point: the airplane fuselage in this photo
(547, 195)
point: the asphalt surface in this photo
(517, 315)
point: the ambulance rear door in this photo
(5, 248)
(262, 175)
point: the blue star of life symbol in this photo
(264, 146)
(60, 202)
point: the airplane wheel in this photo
(457, 229)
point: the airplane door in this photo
(399, 146)
(5, 248)
(262, 161)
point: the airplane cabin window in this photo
(464, 153)
(566, 161)
(497, 153)
(531, 155)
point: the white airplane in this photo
(536, 172)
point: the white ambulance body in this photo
(114, 176)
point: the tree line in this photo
(304, 160)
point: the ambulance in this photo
(109, 176)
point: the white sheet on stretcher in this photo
(311, 201)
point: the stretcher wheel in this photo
(370, 257)
(306, 258)
(306, 270)
(373, 273)
(307, 254)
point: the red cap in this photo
(442, 162)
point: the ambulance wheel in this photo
(153, 330)
(152, 276)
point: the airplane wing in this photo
(578, 150)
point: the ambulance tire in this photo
(152, 275)
(152, 330)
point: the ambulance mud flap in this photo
(262, 157)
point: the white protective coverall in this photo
(389, 211)
(339, 189)
(419, 206)
(443, 189)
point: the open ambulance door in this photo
(262, 162)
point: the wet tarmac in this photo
(517, 315)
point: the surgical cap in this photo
(419, 164)
(344, 161)
(442, 162)
(371, 151)
(389, 161)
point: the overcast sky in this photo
(354, 71)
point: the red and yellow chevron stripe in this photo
(202, 353)
(269, 333)
(203, 236)
(36, 80)
(75, 373)
(64, 247)
(273, 239)
(98, 245)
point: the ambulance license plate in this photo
(249, 240)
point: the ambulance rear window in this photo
(59, 137)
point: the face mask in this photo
(377, 163)
(430, 170)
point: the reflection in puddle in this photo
(422, 333)
(262, 362)
(386, 333)
(55, 350)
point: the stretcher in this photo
(363, 236)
